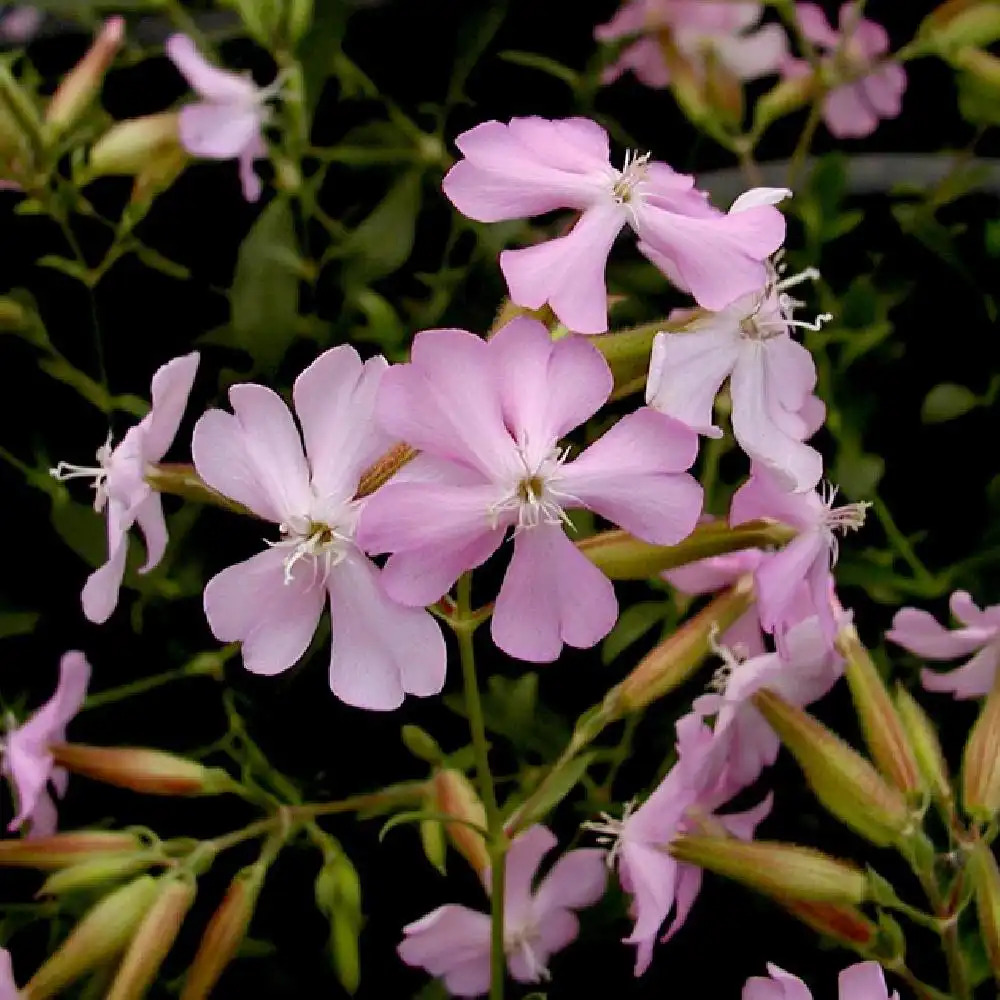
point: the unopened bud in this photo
(783, 871)
(723, 91)
(224, 933)
(686, 83)
(421, 744)
(840, 778)
(454, 795)
(338, 895)
(841, 922)
(94, 872)
(986, 879)
(153, 939)
(12, 314)
(782, 99)
(63, 849)
(981, 760)
(152, 772)
(620, 556)
(129, 146)
(675, 659)
(982, 66)
(959, 23)
(881, 725)
(384, 469)
(104, 931)
(926, 747)
(83, 82)
(20, 107)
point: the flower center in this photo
(849, 517)
(315, 542)
(99, 473)
(732, 657)
(773, 308)
(632, 174)
(535, 497)
(610, 831)
(525, 941)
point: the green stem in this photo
(463, 624)
(958, 978)
(204, 665)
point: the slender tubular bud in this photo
(841, 922)
(454, 795)
(841, 779)
(130, 146)
(783, 871)
(958, 23)
(64, 849)
(152, 772)
(104, 931)
(92, 872)
(83, 82)
(384, 469)
(983, 65)
(224, 933)
(986, 879)
(981, 761)
(627, 351)
(926, 747)
(153, 939)
(619, 556)
(884, 732)
(675, 659)
(21, 107)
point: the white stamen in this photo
(732, 658)
(610, 831)
(314, 541)
(849, 517)
(535, 498)
(524, 941)
(775, 293)
(99, 473)
(632, 174)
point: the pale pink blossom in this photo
(923, 636)
(533, 165)
(273, 602)
(27, 758)
(227, 123)
(487, 417)
(800, 574)
(453, 942)
(700, 30)
(854, 109)
(771, 379)
(863, 981)
(686, 798)
(121, 488)
(8, 987)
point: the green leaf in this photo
(17, 623)
(946, 402)
(433, 841)
(991, 237)
(265, 292)
(561, 787)
(72, 268)
(544, 64)
(633, 623)
(475, 35)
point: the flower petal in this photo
(218, 131)
(448, 938)
(864, 981)
(971, 680)
(815, 26)
(920, 633)
(149, 517)
(578, 879)
(205, 79)
(754, 55)
(100, 592)
(848, 113)
(170, 390)
(523, 861)
(779, 577)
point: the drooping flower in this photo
(533, 165)
(27, 759)
(272, 603)
(806, 561)
(874, 90)
(863, 981)
(453, 942)
(922, 635)
(771, 379)
(487, 417)
(121, 488)
(686, 798)
(700, 31)
(227, 123)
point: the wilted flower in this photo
(453, 942)
(487, 417)
(864, 981)
(121, 488)
(533, 165)
(27, 759)
(921, 634)
(272, 603)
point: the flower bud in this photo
(926, 747)
(843, 781)
(152, 772)
(12, 314)
(182, 480)
(421, 744)
(723, 91)
(784, 871)
(986, 879)
(675, 659)
(881, 726)
(958, 23)
(784, 98)
(224, 933)
(841, 922)
(129, 146)
(982, 66)
(454, 795)
(93, 872)
(103, 932)
(338, 895)
(63, 849)
(384, 469)
(153, 939)
(981, 761)
(81, 85)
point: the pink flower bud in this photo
(95, 871)
(986, 878)
(926, 748)
(981, 761)
(384, 469)
(841, 922)
(454, 795)
(63, 849)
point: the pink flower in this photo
(227, 123)
(918, 632)
(534, 165)
(700, 30)
(657, 883)
(852, 110)
(19, 25)
(487, 417)
(272, 603)
(27, 760)
(8, 987)
(743, 744)
(121, 487)
(453, 942)
(771, 379)
(799, 576)
(864, 981)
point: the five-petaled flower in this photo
(488, 417)
(121, 488)
(27, 758)
(453, 942)
(533, 165)
(863, 981)
(272, 603)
